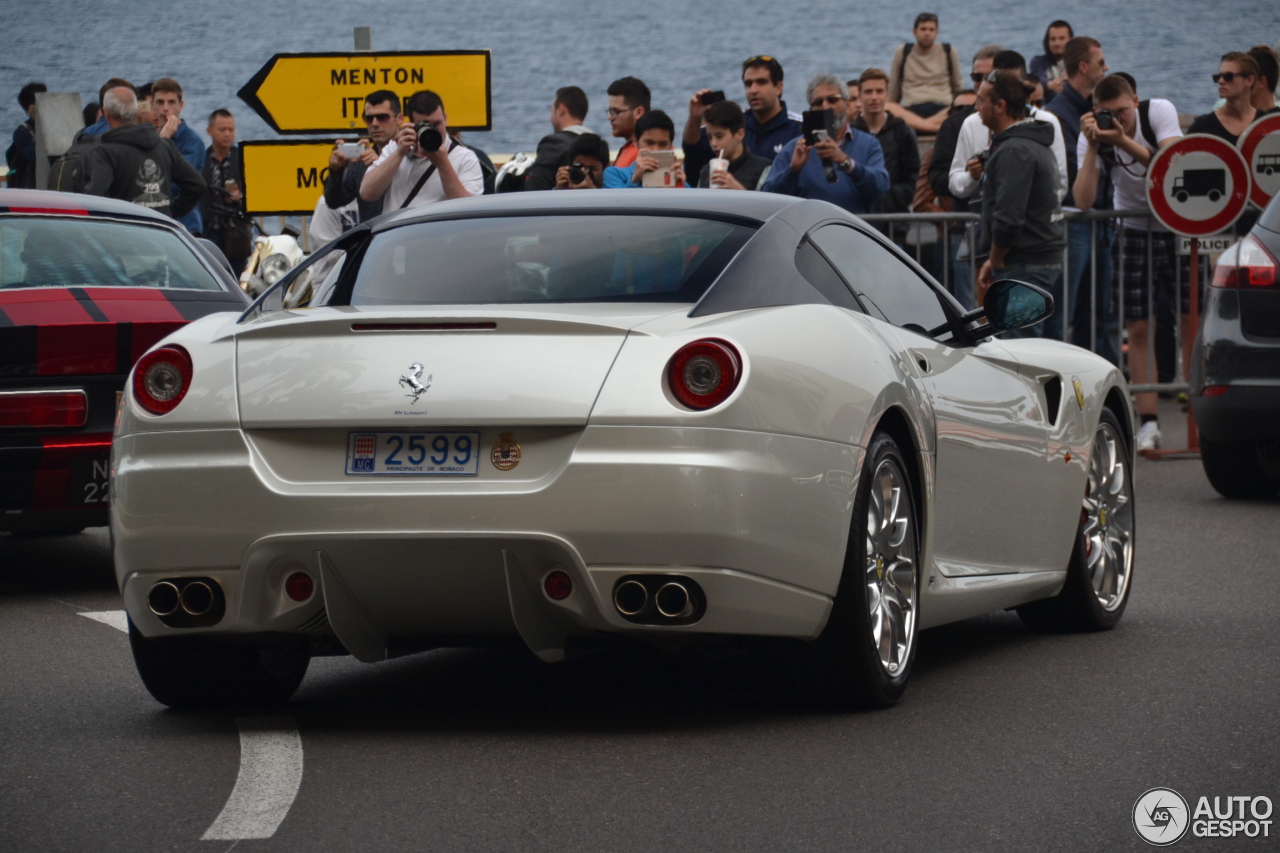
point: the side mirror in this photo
(1013, 304)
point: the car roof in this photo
(757, 206)
(76, 204)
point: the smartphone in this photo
(709, 98)
(351, 150)
(664, 175)
(817, 120)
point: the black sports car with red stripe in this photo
(87, 285)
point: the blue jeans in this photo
(1106, 321)
(1041, 275)
(961, 276)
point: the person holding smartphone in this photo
(222, 172)
(655, 133)
(342, 186)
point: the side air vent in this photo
(1053, 398)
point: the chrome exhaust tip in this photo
(164, 599)
(630, 597)
(197, 598)
(673, 600)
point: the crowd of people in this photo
(1017, 142)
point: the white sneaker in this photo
(1148, 437)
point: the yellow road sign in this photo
(284, 177)
(325, 92)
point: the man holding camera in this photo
(1021, 212)
(342, 186)
(1118, 136)
(840, 164)
(423, 165)
(584, 164)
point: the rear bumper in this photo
(53, 482)
(759, 521)
(1246, 412)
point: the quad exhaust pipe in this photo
(659, 599)
(164, 599)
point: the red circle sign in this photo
(1198, 186)
(1260, 147)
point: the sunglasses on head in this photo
(1228, 76)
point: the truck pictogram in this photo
(1200, 182)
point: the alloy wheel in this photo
(1107, 519)
(890, 573)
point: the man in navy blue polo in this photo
(855, 157)
(768, 123)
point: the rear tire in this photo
(194, 673)
(864, 656)
(1100, 571)
(1235, 471)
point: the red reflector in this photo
(558, 585)
(61, 211)
(43, 408)
(704, 373)
(423, 327)
(299, 586)
(161, 379)
(1215, 390)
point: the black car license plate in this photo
(89, 481)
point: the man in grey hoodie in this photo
(135, 164)
(1021, 213)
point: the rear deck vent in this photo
(423, 327)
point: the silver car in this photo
(665, 416)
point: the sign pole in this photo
(1193, 434)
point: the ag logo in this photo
(1160, 816)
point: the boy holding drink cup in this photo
(735, 168)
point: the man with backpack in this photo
(133, 163)
(568, 112)
(925, 76)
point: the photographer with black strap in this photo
(424, 165)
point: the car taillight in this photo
(161, 379)
(704, 373)
(43, 408)
(1245, 264)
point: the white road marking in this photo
(270, 774)
(115, 618)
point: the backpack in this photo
(70, 173)
(946, 49)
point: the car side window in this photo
(885, 285)
(818, 272)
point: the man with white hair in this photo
(134, 164)
(846, 169)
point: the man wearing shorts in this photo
(1125, 150)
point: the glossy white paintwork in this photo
(753, 499)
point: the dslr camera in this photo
(577, 173)
(429, 136)
(1105, 119)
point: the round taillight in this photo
(704, 373)
(557, 585)
(161, 379)
(299, 586)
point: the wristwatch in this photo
(847, 166)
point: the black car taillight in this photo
(43, 408)
(704, 373)
(1246, 264)
(161, 379)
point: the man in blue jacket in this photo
(855, 159)
(166, 114)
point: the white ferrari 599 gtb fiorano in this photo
(666, 416)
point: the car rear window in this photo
(80, 252)
(520, 259)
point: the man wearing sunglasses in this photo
(342, 186)
(859, 171)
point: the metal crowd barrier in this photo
(911, 232)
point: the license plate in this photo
(429, 454)
(89, 481)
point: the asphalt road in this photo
(1006, 740)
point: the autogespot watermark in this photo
(1162, 817)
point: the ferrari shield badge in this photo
(506, 453)
(1075, 383)
(413, 382)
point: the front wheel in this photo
(865, 653)
(194, 673)
(1100, 571)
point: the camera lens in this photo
(577, 174)
(429, 138)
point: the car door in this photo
(991, 436)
